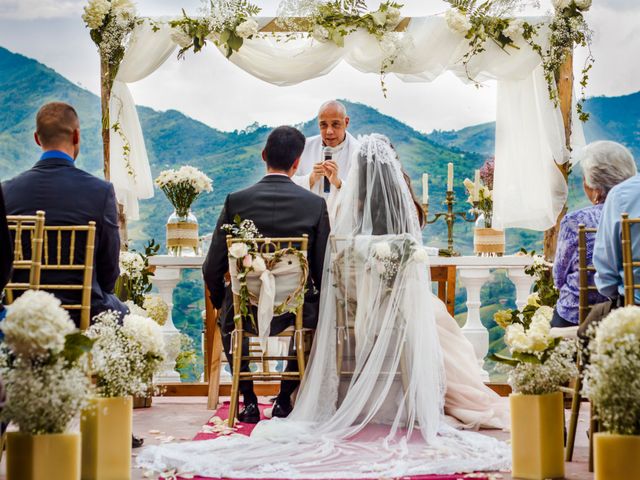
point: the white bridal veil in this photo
(372, 402)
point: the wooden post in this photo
(105, 97)
(564, 81)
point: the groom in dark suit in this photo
(279, 208)
(69, 196)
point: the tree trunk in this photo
(564, 81)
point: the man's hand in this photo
(317, 173)
(331, 172)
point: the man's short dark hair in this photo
(284, 146)
(55, 123)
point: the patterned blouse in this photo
(565, 266)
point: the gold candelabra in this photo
(450, 217)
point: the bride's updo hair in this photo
(378, 184)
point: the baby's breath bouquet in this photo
(541, 363)
(126, 356)
(43, 365)
(611, 380)
(183, 186)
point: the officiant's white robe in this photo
(313, 153)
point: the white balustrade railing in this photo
(473, 272)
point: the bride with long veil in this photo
(374, 397)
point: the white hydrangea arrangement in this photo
(183, 186)
(611, 379)
(125, 357)
(43, 365)
(541, 363)
(110, 23)
(156, 309)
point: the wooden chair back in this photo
(629, 264)
(56, 259)
(584, 268)
(27, 232)
(256, 354)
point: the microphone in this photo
(328, 155)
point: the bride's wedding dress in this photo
(386, 363)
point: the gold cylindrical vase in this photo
(43, 457)
(537, 436)
(106, 428)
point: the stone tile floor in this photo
(182, 417)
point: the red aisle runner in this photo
(247, 428)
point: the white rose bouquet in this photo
(183, 186)
(125, 357)
(389, 258)
(541, 363)
(611, 380)
(43, 365)
(134, 281)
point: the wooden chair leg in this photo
(299, 338)
(593, 429)
(236, 352)
(573, 420)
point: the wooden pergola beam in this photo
(304, 23)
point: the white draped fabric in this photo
(147, 50)
(529, 192)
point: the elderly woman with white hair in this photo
(604, 165)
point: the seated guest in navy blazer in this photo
(70, 196)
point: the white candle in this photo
(476, 190)
(450, 177)
(425, 188)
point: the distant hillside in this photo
(612, 118)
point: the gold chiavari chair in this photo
(27, 232)
(301, 336)
(584, 268)
(55, 259)
(628, 262)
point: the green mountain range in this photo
(232, 160)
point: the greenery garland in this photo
(492, 20)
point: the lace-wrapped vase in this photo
(182, 235)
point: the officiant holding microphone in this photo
(327, 157)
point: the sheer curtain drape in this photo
(147, 50)
(529, 135)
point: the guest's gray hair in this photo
(336, 104)
(605, 164)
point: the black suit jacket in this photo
(279, 208)
(70, 196)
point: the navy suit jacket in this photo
(279, 208)
(70, 196)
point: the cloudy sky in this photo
(209, 88)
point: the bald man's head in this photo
(58, 128)
(333, 122)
